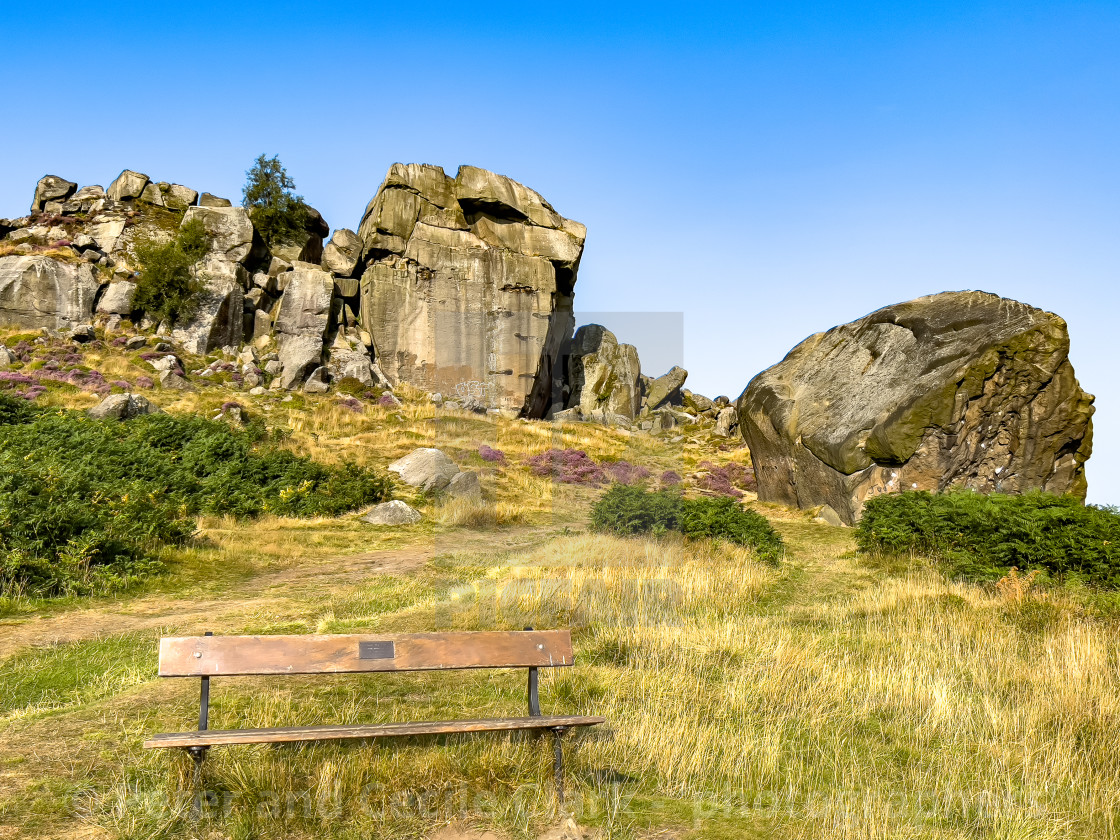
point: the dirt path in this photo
(269, 591)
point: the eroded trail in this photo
(274, 591)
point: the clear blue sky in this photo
(767, 169)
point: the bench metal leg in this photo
(558, 762)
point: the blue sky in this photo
(768, 170)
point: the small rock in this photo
(465, 485)
(395, 512)
(273, 367)
(163, 347)
(437, 398)
(122, 407)
(256, 392)
(172, 381)
(388, 401)
(82, 333)
(5, 357)
(317, 382)
(166, 363)
(568, 415)
(136, 342)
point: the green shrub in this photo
(722, 518)
(629, 509)
(982, 536)
(166, 288)
(86, 505)
(277, 213)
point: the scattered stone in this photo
(428, 469)
(82, 333)
(258, 391)
(5, 357)
(128, 185)
(568, 415)
(273, 367)
(395, 512)
(465, 485)
(136, 342)
(171, 380)
(959, 389)
(122, 407)
(51, 188)
(317, 382)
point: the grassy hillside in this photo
(827, 696)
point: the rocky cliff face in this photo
(960, 389)
(468, 285)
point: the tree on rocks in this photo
(277, 212)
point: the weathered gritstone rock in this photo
(51, 188)
(959, 389)
(128, 185)
(39, 291)
(116, 299)
(666, 389)
(603, 374)
(219, 320)
(468, 287)
(342, 253)
(395, 512)
(233, 234)
(122, 407)
(302, 322)
(428, 469)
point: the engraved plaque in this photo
(376, 650)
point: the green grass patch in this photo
(71, 675)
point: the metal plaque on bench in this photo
(376, 650)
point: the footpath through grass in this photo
(826, 697)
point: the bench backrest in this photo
(216, 656)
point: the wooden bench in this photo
(226, 656)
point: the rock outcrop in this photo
(959, 389)
(468, 285)
(603, 375)
(39, 291)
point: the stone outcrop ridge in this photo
(468, 285)
(959, 389)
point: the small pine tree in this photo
(277, 212)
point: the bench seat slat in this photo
(215, 656)
(378, 730)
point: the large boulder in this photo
(39, 291)
(959, 389)
(603, 375)
(51, 188)
(117, 297)
(127, 186)
(666, 389)
(219, 319)
(307, 244)
(230, 229)
(428, 469)
(395, 512)
(342, 253)
(302, 322)
(468, 287)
